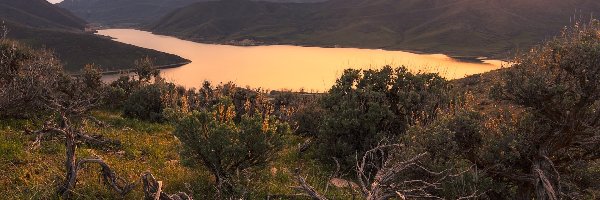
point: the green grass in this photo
(36, 173)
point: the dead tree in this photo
(387, 182)
(153, 190)
(390, 179)
(69, 99)
(305, 188)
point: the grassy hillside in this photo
(464, 27)
(35, 173)
(78, 49)
(40, 14)
(44, 25)
(487, 136)
(127, 13)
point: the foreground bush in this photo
(26, 76)
(231, 150)
(365, 107)
(558, 87)
(540, 138)
(145, 103)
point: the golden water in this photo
(284, 66)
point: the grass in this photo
(36, 173)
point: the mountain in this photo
(122, 12)
(43, 25)
(127, 13)
(456, 27)
(40, 14)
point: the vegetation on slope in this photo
(78, 49)
(43, 25)
(462, 28)
(530, 131)
(130, 13)
(39, 13)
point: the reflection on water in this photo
(284, 66)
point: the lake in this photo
(284, 66)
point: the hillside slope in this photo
(76, 50)
(457, 27)
(39, 13)
(43, 25)
(128, 13)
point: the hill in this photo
(128, 13)
(43, 25)
(40, 14)
(76, 50)
(456, 27)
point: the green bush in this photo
(145, 103)
(231, 150)
(365, 107)
(557, 86)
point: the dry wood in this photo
(153, 190)
(306, 188)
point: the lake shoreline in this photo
(278, 66)
(463, 58)
(168, 66)
(451, 54)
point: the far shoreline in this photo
(480, 58)
(168, 66)
(462, 58)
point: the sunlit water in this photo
(284, 66)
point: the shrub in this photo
(25, 77)
(230, 149)
(558, 86)
(365, 107)
(145, 103)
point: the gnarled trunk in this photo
(71, 168)
(546, 178)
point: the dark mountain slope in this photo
(39, 14)
(131, 12)
(459, 27)
(244, 18)
(78, 49)
(122, 12)
(43, 25)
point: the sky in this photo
(54, 1)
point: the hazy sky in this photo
(54, 1)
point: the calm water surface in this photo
(284, 66)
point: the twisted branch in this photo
(153, 190)
(110, 177)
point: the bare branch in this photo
(109, 176)
(306, 188)
(98, 140)
(153, 190)
(388, 180)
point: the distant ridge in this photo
(457, 27)
(43, 25)
(130, 13)
(39, 14)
